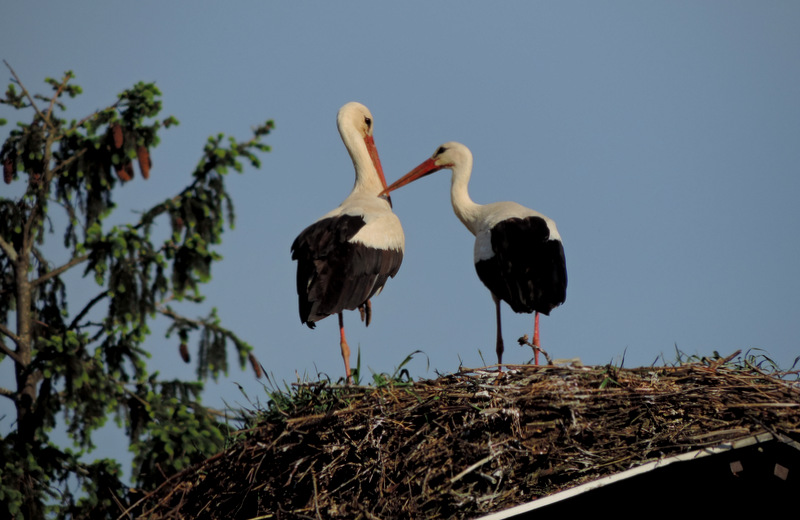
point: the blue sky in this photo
(662, 137)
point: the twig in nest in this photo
(473, 467)
(525, 341)
(719, 362)
(316, 494)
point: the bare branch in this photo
(63, 164)
(167, 311)
(70, 209)
(8, 393)
(150, 215)
(96, 113)
(39, 256)
(86, 309)
(63, 84)
(199, 323)
(55, 272)
(7, 332)
(7, 351)
(26, 93)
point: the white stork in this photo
(345, 257)
(518, 251)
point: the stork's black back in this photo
(528, 270)
(334, 274)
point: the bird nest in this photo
(472, 442)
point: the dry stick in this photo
(316, 502)
(719, 362)
(475, 466)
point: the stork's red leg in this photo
(345, 348)
(500, 347)
(536, 338)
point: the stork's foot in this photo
(346, 358)
(365, 310)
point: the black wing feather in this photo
(528, 270)
(334, 274)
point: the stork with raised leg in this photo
(518, 251)
(346, 257)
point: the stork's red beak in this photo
(376, 160)
(426, 168)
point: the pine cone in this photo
(123, 173)
(144, 161)
(185, 353)
(116, 132)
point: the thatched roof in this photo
(473, 442)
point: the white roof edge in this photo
(644, 468)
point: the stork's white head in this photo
(355, 124)
(450, 155)
(354, 117)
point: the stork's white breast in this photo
(382, 229)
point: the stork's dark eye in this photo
(441, 150)
(368, 121)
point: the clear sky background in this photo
(662, 137)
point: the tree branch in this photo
(55, 272)
(8, 393)
(63, 164)
(66, 162)
(7, 351)
(8, 249)
(86, 309)
(167, 311)
(6, 331)
(26, 93)
(150, 215)
(39, 256)
(199, 323)
(60, 89)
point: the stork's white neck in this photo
(367, 179)
(467, 211)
